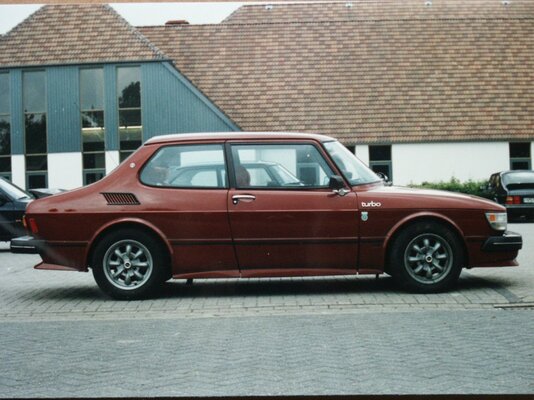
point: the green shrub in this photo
(454, 185)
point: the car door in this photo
(294, 223)
(187, 185)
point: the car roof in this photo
(192, 137)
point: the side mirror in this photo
(337, 185)
(385, 178)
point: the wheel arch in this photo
(127, 223)
(421, 218)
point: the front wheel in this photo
(426, 258)
(129, 264)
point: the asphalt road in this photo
(59, 336)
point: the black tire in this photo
(129, 264)
(426, 257)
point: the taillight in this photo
(33, 225)
(24, 224)
(513, 199)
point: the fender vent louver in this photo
(121, 199)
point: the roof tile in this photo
(74, 33)
(373, 80)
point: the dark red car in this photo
(260, 205)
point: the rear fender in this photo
(117, 223)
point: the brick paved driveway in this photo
(59, 336)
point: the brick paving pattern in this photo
(60, 336)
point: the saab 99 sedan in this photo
(260, 205)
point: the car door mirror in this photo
(384, 178)
(336, 182)
(337, 185)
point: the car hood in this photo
(405, 197)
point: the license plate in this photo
(528, 200)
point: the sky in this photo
(136, 14)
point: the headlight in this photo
(497, 220)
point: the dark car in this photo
(13, 202)
(330, 215)
(515, 191)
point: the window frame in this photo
(45, 114)
(232, 177)
(87, 171)
(124, 154)
(382, 163)
(160, 148)
(7, 117)
(514, 160)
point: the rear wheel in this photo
(129, 264)
(426, 258)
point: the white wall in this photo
(112, 160)
(65, 170)
(18, 170)
(362, 152)
(433, 162)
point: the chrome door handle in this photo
(244, 197)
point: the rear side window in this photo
(187, 166)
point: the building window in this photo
(352, 149)
(380, 160)
(520, 155)
(129, 102)
(93, 132)
(5, 127)
(34, 101)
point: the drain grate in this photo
(514, 305)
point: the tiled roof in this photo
(74, 33)
(370, 81)
(366, 10)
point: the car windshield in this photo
(353, 169)
(13, 191)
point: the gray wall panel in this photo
(110, 103)
(17, 113)
(171, 104)
(63, 108)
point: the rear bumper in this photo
(509, 241)
(26, 245)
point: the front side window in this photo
(5, 127)
(92, 116)
(186, 166)
(129, 105)
(35, 131)
(352, 168)
(282, 166)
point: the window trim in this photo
(231, 166)
(45, 113)
(118, 109)
(7, 116)
(86, 171)
(160, 148)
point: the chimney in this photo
(174, 22)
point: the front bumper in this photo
(26, 245)
(509, 241)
